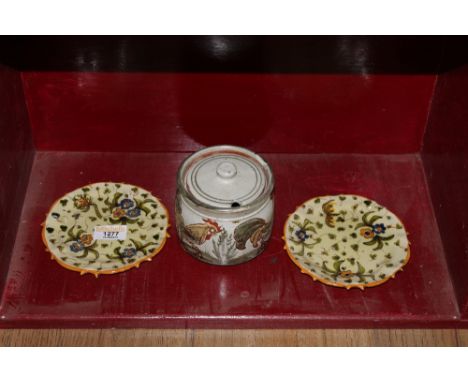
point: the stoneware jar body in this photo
(224, 205)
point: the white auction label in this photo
(110, 232)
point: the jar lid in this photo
(226, 178)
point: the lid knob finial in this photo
(226, 170)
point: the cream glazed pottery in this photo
(224, 204)
(105, 228)
(346, 241)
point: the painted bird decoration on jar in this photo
(201, 232)
(254, 230)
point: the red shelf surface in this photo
(175, 290)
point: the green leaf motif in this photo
(361, 270)
(116, 198)
(380, 244)
(374, 219)
(137, 243)
(307, 224)
(96, 211)
(326, 269)
(376, 240)
(145, 209)
(337, 265)
(365, 220)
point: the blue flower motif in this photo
(76, 247)
(128, 252)
(379, 228)
(127, 203)
(302, 235)
(133, 213)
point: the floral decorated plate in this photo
(346, 241)
(105, 228)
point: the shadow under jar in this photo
(224, 204)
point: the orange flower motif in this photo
(118, 213)
(367, 233)
(81, 202)
(86, 239)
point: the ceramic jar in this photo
(224, 204)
